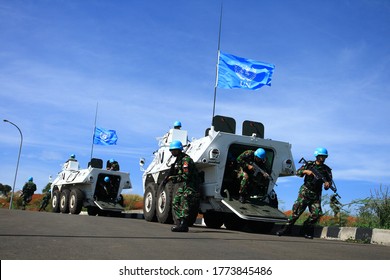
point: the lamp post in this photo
(17, 164)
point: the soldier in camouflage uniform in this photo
(246, 173)
(27, 192)
(310, 193)
(112, 164)
(187, 195)
(45, 201)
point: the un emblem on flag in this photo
(244, 72)
(104, 136)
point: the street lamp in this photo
(17, 165)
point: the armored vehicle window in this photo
(249, 128)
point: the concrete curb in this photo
(362, 235)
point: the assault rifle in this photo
(257, 170)
(319, 176)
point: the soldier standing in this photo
(187, 195)
(27, 192)
(310, 193)
(246, 172)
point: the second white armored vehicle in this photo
(215, 156)
(75, 188)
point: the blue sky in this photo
(149, 63)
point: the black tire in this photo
(92, 211)
(213, 219)
(76, 201)
(64, 201)
(164, 200)
(150, 203)
(55, 202)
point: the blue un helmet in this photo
(321, 152)
(106, 179)
(177, 124)
(176, 145)
(112, 160)
(260, 153)
(72, 156)
(30, 179)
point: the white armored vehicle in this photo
(215, 156)
(75, 188)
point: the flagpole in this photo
(94, 128)
(216, 70)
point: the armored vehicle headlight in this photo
(287, 166)
(90, 179)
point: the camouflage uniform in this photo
(310, 196)
(45, 201)
(28, 190)
(187, 195)
(244, 174)
(115, 166)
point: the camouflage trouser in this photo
(306, 198)
(26, 199)
(244, 181)
(184, 201)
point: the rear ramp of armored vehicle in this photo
(255, 210)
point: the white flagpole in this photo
(216, 76)
(94, 128)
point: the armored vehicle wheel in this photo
(164, 200)
(64, 201)
(55, 202)
(150, 203)
(92, 211)
(76, 201)
(213, 219)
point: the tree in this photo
(47, 188)
(5, 189)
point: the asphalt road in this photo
(27, 235)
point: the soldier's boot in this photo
(182, 227)
(309, 232)
(242, 197)
(286, 229)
